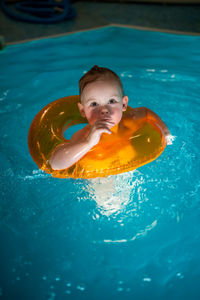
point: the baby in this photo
(102, 104)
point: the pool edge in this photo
(104, 26)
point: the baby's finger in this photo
(169, 139)
(101, 125)
(104, 130)
(106, 124)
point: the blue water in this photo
(131, 236)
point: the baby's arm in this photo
(82, 141)
(65, 155)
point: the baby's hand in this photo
(96, 131)
(169, 139)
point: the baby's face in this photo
(102, 100)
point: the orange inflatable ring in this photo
(114, 154)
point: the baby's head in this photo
(102, 96)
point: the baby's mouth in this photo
(107, 120)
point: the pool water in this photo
(131, 236)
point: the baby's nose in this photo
(104, 110)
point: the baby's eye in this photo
(112, 101)
(93, 104)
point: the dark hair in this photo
(99, 73)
